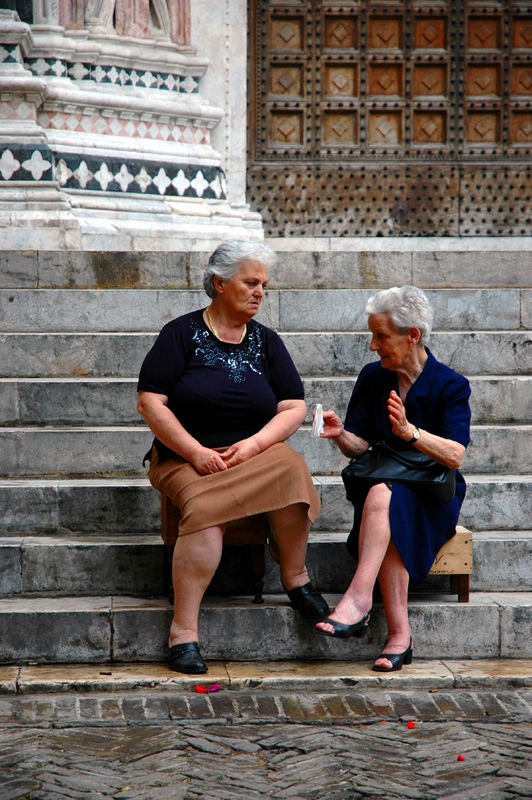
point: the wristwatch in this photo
(415, 436)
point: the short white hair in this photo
(228, 256)
(407, 307)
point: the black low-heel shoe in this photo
(310, 604)
(396, 660)
(344, 631)
(186, 657)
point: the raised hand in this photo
(397, 415)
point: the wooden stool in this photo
(251, 531)
(455, 558)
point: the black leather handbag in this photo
(382, 463)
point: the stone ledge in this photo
(283, 676)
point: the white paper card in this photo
(317, 423)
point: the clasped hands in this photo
(207, 461)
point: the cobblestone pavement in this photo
(241, 745)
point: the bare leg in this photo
(291, 527)
(196, 558)
(393, 580)
(373, 543)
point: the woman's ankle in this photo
(180, 635)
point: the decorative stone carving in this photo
(99, 14)
(85, 165)
(46, 12)
(141, 19)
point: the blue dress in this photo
(437, 402)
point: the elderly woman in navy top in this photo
(221, 394)
(409, 400)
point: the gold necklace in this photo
(213, 329)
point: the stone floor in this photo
(442, 729)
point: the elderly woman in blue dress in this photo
(409, 400)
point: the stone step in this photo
(112, 401)
(301, 310)
(113, 450)
(122, 628)
(130, 505)
(317, 269)
(112, 354)
(136, 565)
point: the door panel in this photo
(391, 118)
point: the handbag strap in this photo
(402, 457)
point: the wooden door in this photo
(390, 118)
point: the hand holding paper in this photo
(317, 422)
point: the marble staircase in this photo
(81, 561)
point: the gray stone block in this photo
(28, 505)
(461, 630)
(241, 631)
(87, 310)
(502, 504)
(471, 353)
(501, 399)
(111, 401)
(493, 449)
(326, 310)
(484, 353)
(114, 354)
(140, 629)
(131, 505)
(474, 268)
(322, 455)
(92, 566)
(61, 630)
(132, 564)
(10, 566)
(493, 399)
(77, 402)
(516, 624)
(113, 270)
(343, 309)
(490, 504)
(18, 269)
(197, 263)
(77, 630)
(110, 506)
(502, 561)
(51, 452)
(9, 410)
(499, 449)
(332, 270)
(526, 307)
(73, 354)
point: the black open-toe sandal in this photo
(186, 658)
(344, 631)
(309, 602)
(396, 660)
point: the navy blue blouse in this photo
(437, 402)
(220, 392)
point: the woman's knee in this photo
(378, 499)
(293, 517)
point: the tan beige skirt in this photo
(273, 479)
